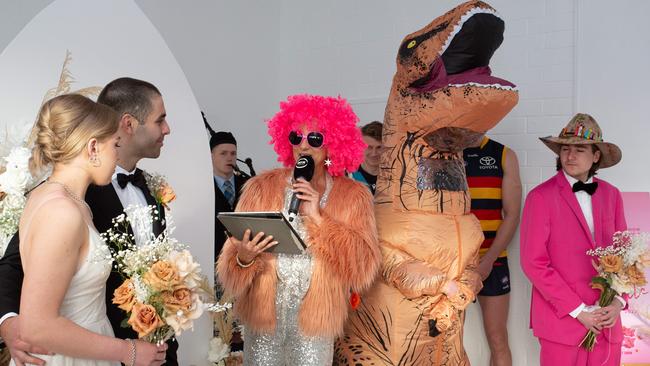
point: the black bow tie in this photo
(590, 188)
(137, 179)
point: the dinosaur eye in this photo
(411, 44)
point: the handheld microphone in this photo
(304, 169)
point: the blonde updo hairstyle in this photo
(64, 126)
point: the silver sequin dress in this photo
(287, 347)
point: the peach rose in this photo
(144, 319)
(611, 263)
(635, 275)
(179, 299)
(166, 194)
(123, 296)
(162, 276)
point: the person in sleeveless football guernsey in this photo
(494, 185)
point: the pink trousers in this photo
(603, 354)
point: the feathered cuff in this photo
(352, 253)
(235, 278)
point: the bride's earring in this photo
(94, 161)
(328, 162)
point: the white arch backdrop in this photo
(109, 40)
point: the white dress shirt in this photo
(131, 195)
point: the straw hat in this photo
(583, 129)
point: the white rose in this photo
(18, 158)
(188, 269)
(218, 350)
(184, 320)
(15, 181)
(621, 284)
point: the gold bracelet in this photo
(133, 353)
(242, 265)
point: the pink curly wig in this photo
(333, 117)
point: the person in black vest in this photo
(227, 184)
(495, 187)
(142, 130)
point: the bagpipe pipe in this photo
(247, 161)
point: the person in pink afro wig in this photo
(294, 305)
(333, 117)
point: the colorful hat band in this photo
(582, 132)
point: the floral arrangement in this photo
(163, 290)
(160, 189)
(620, 268)
(220, 353)
(15, 180)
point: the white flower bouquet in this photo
(620, 268)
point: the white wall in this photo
(241, 58)
(612, 82)
(228, 50)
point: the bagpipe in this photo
(247, 161)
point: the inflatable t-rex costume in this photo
(442, 100)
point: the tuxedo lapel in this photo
(157, 225)
(596, 206)
(570, 198)
(105, 205)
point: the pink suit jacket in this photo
(554, 239)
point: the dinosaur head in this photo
(443, 74)
(462, 39)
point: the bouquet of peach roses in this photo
(163, 290)
(620, 268)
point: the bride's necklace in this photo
(72, 195)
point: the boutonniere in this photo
(160, 189)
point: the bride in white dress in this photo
(65, 261)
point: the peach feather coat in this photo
(344, 248)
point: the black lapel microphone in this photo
(304, 169)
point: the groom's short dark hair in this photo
(128, 95)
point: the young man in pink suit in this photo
(563, 218)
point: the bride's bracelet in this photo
(133, 354)
(242, 265)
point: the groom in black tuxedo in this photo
(143, 127)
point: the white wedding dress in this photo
(85, 301)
